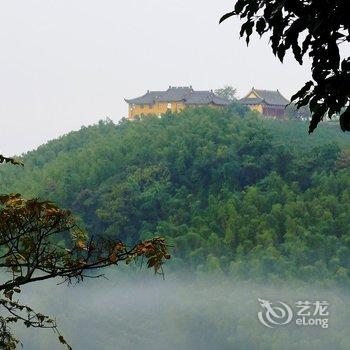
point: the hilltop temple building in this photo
(175, 99)
(269, 103)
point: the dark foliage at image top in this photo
(313, 27)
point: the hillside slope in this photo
(231, 192)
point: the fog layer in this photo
(150, 313)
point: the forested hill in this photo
(233, 193)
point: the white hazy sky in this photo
(68, 63)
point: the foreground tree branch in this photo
(39, 241)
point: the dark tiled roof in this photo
(205, 98)
(149, 98)
(219, 101)
(199, 97)
(274, 98)
(177, 94)
(251, 101)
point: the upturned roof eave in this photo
(260, 94)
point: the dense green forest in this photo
(234, 194)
